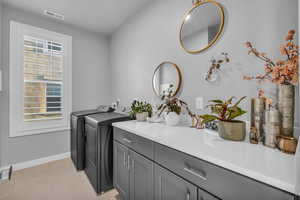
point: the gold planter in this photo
(286, 106)
(233, 130)
(287, 144)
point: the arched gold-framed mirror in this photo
(166, 74)
(202, 26)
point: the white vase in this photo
(172, 119)
(140, 117)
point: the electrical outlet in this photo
(199, 103)
(4, 173)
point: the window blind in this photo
(43, 79)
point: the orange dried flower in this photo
(248, 44)
(283, 50)
(268, 69)
(280, 62)
(263, 54)
(282, 71)
(291, 32)
(261, 93)
(285, 71)
(259, 77)
(269, 102)
(290, 44)
(289, 37)
(248, 78)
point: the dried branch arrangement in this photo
(283, 71)
(216, 65)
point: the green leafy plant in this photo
(140, 107)
(172, 104)
(223, 110)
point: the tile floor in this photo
(56, 180)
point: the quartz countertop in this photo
(258, 162)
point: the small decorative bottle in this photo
(253, 135)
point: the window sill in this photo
(39, 131)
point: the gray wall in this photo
(151, 37)
(91, 86)
(1, 83)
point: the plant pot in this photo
(141, 117)
(233, 130)
(172, 119)
(286, 106)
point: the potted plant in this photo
(141, 110)
(171, 107)
(284, 73)
(226, 113)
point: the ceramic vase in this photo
(272, 127)
(257, 116)
(286, 106)
(140, 117)
(172, 119)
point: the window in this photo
(40, 80)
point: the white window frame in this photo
(17, 125)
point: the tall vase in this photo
(286, 106)
(257, 116)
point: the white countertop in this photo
(255, 161)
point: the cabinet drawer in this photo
(216, 180)
(137, 143)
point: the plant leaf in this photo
(235, 112)
(208, 118)
(216, 101)
(229, 101)
(239, 101)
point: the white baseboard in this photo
(40, 161)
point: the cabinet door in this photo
(141, 177)
(202, 195)
(121, 170)
(168, 186)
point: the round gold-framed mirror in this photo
(202, 26)
(165, 75)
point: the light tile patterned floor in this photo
(57, 180)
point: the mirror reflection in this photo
(165, 75)
(201, 26)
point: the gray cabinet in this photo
(141, 177)
(133, 174)
(168, 186)
(121, 170)
(217, 181)
(202, 195)
(144, 170)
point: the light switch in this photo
(200, 103)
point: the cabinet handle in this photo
(128, 162)
(188, 195)
(124, 159)
(193, 172)
(127, 141)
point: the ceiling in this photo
(103, 16)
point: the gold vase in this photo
(286, 106)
